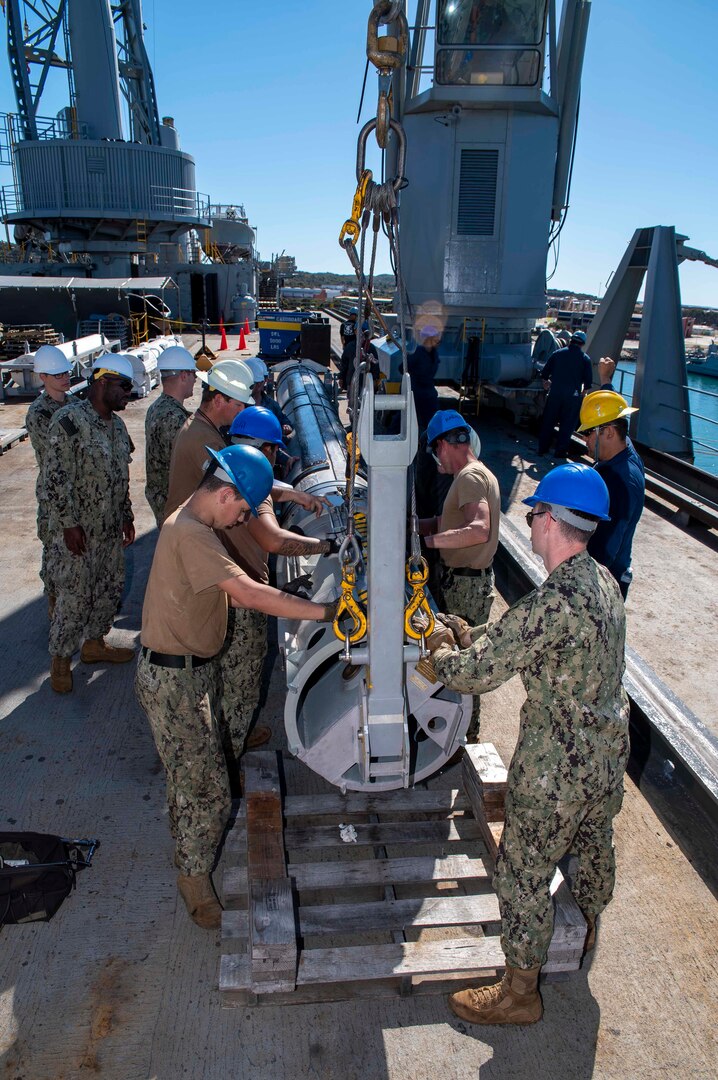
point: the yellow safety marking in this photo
(279, 325)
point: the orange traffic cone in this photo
(223, 338)
(242, 343)
(246, 326)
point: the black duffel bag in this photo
(37, 872)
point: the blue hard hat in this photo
(353, 311)
(248, 469)
(444, 421)
(257, 422)
(578, 335)
(575, 486)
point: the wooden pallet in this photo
(9, 436)
(310, 917)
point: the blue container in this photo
(280, 333)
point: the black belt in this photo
(467, 571)
(167, 660)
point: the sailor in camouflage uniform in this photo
(53, 368)
(466, 534)
(90, 519)
(184, 623)
(566, 640)
(165, 418)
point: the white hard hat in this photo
(114, 364)
(258, 368)
(49, 360)
(176, 358)
(475, 442)
(232, 378)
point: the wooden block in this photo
(569, 925)
(272, 925)
(452, 830)
(482, 765)
(235, 925)
(260, 772)
(414, 801)
(236, 842)
(265, 837)
(234, 885)
(368, 872)
(392, 914)
(369, 989)
(234, 973)
(360, 962)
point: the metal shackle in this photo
(383, 12)
(399, 181)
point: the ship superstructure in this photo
(101, 188)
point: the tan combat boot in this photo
(97, 651)
(199, 897)
(61, 674)
(590, 943)
(514, 1000)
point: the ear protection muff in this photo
(457, 438)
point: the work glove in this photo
(440, 636)
(334, 545)
(330, 611)
(459, 627)
(300, 586)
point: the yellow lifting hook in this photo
(348, 603)
(351, 227)
(417, 578)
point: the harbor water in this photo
(703, 404)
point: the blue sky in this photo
(265, 98)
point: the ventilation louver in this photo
(477, 192)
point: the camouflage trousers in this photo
(471, 598)
(182, 707)
(240, 663)
(536, 836)
(157, 501)
(88, 590)
(42, 530)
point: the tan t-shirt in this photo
(242, 546)
(188, 459)
(184, 610)
(189, 455)
(472, 484)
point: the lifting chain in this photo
(417, 575)
(387, 55)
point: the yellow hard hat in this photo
(603, 407)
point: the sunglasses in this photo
(534, 514)
(124, 384)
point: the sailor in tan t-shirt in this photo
(467, 531)
(225, 397)
(192, 582)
